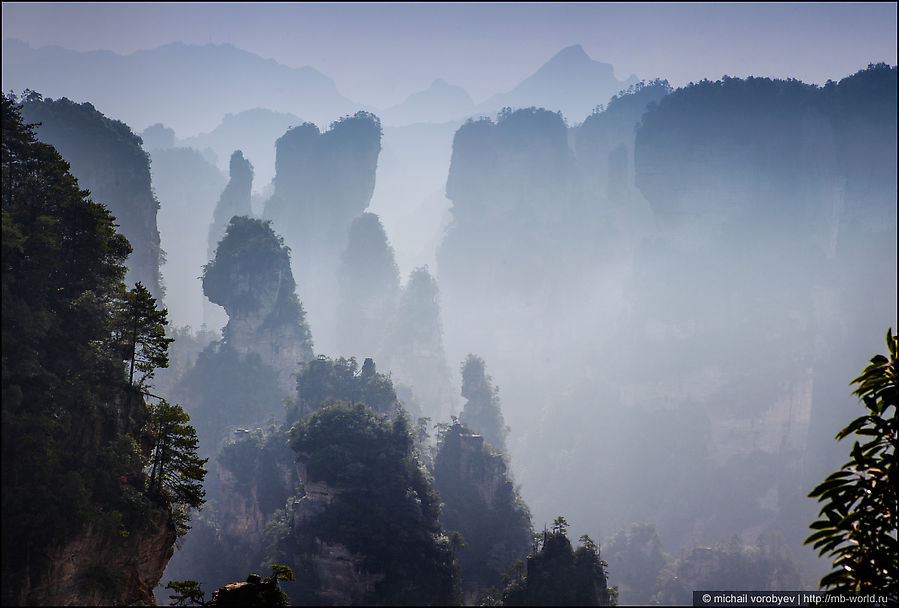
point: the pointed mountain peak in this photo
(571, 53)
(570, 81)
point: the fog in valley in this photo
(633, 300)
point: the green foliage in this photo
(857, 522)
(560, 526)
(252, 260)
(557, 575)
(176, 471)
(256, 460)
(249, 248)
(255, 592)
(225, 388)
(68, 442)
(106, 157)
(496, 531)
(282, 573)
(324, 379)
(186, 593)
(140, 333)
(386, 509)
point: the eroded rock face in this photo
(251, 279)
(323, 181)
(107, 158)
(480, 501)
(343, 581)
(235, 200)
(241, 515)
(99, 568)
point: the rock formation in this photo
(82, 523)
(187, 187)
(251, 279)
(413, 350)
(323, 379)
(235, 200)
(98, 567)
(481, 412)
(367, 529)
(322, 182)
(106, 157)
(480, 502)
(369, 285)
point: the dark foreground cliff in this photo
(82, 522)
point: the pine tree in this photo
(176, 472)
(141, 334)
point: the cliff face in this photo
(413, 350)
(187, 186)
(97, 568)
(757, 188)
(323, 181)
(515, 191)
(251, 279)
(747, 155)
(340, 574)
(369, 284)
(80, 523)
(106, 157)
(480, 501)
(235, 200)
(367, 530)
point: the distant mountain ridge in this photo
(570, 82)
(440, 102)
(252, 131)
(150, 86)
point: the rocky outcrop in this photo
(480, 501)
(99, 567)
(413, 350)
(323, 181)
(187, 186)
(235, 200)
(342, 580)
(251, 279)
(107, 158)
(369, 286)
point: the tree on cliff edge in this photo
(176, 472)
(140, 330)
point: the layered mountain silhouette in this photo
(254, 133)
(570, 82)
(440, 102)
(188, 87)
(155, 85)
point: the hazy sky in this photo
(379, 53)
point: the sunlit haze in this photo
(479, 304)
(378, 53)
